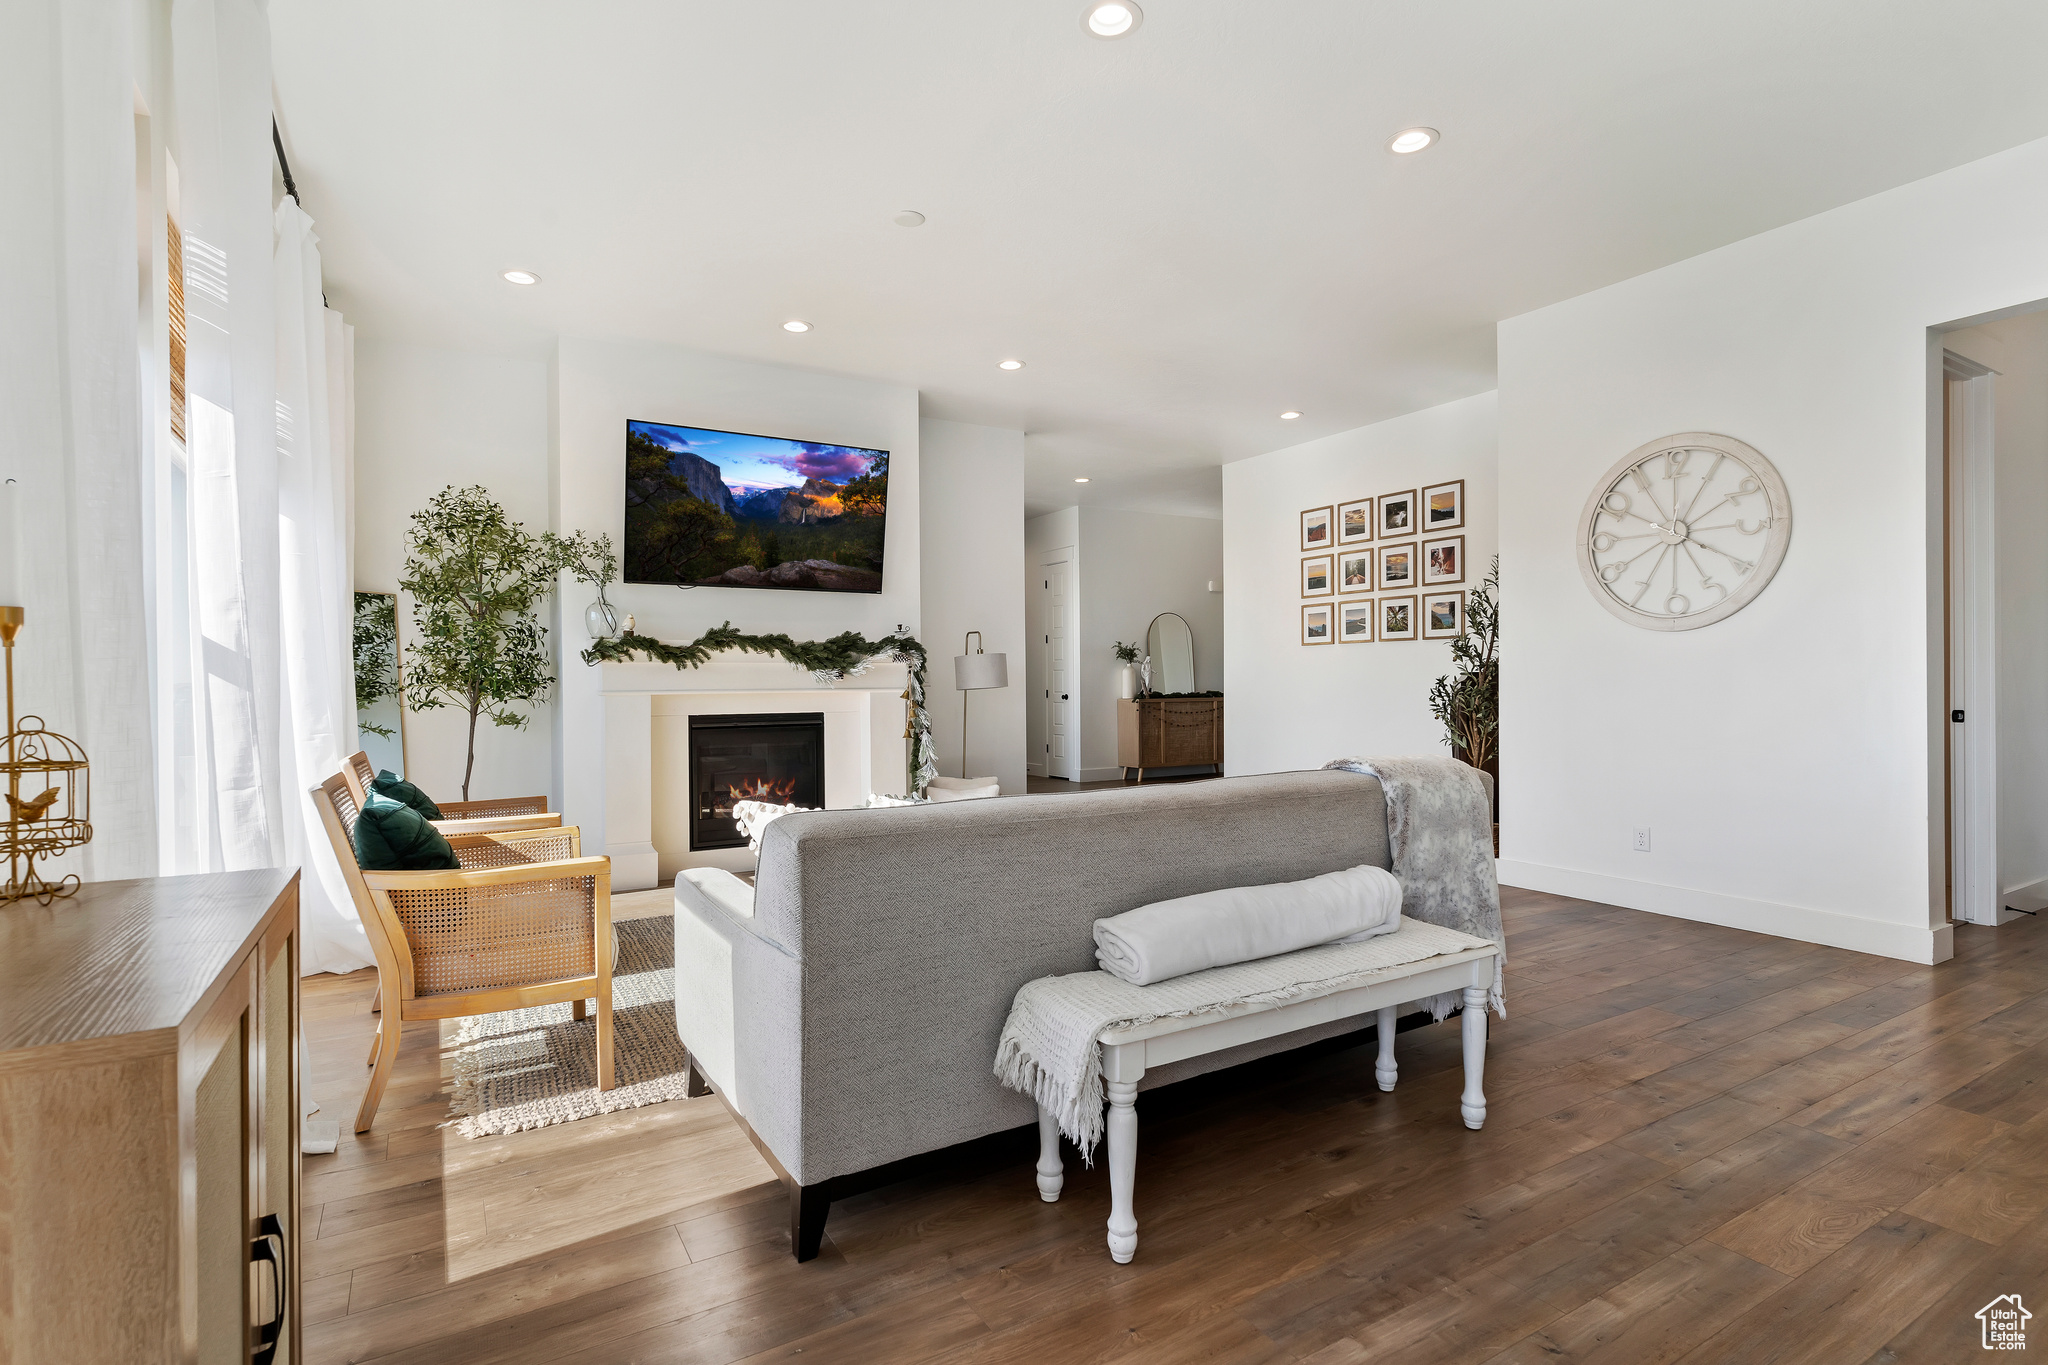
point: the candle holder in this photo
(56, 812)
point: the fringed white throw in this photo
(1440, 830)
(1048, 1048)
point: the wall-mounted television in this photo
(727, 509)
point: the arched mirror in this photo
(378, 714)
(1172, 647)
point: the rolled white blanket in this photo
(1166, 939)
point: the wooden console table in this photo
(149, 1176)
(1169, 732)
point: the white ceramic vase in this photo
(1127, 681)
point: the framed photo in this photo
(1316, 531)
(1443, 506)
(1315, 623)
(1397, 618)
(1354, 570)
(1397, 515)
(1354, 522)
(1443, 561)
(1443, 615)
(1397, 566)
(1354, 621)
(1317, 576)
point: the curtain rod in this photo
(290, 186)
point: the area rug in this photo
(534, 1067)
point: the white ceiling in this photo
(1182, 232)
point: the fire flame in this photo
(778, 792)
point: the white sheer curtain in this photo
(255, 665)
(315, 477)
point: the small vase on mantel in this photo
(1127, 681)
(601, 621)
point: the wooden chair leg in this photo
(808, 1205)
(604, 1035)
(579, 1009)
(696, 1083)
(388, 1030)
(376, 1041)
(377, 1000)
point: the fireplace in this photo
(754, 757)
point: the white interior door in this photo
(1062, 756)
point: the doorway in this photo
(1969, 639)
(1060, 616)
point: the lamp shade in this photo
(974, 672)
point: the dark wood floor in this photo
(1703, 1145)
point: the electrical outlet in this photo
(1642, 838)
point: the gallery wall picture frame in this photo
(1443, 561)
(1397, 515)
(1397, 567)
(1355, 570)
(1397, 618)
(1443, 507)
(1319, 576)
(1354, 522)
(1317, 620)
(1317, 529)
(1355, 621)
(1443, 615)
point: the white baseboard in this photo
(2037, 887)
(1034, 770)
(1906, 942)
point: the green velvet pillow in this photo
(391, 837)
(388, 783)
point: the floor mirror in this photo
(379, 716)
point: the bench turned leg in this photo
(1123, 1170)
(1384, 1071)
(1050, 1177)
(1472, 1104)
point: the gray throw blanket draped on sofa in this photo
(1440, 831)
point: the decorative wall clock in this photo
(1684, 531)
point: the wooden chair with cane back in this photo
(519, 924)
(465, 817)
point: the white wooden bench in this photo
(1128, 1052)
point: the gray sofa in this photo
(849, 1016)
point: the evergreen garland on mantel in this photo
(846, 655)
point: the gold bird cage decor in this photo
(49, 792)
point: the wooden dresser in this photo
(149, 1123)
(1169, 732)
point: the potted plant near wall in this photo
(1127, 675)
(1467, 700)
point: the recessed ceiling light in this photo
(793, 325)
(1009, 364)
(908, 218)
(1289, 416)
(1412, 140)
(1111, 18)
(1080, 481)
(522, 277)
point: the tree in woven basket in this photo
(476, 577)
(1467, 701)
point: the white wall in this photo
(1135, 565)
(1044, 536)
(971, 489)
(598, 387)
(2017, 348)
(1299, 706)
(425, 419)
(1786, 758)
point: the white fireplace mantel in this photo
(624, 757)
